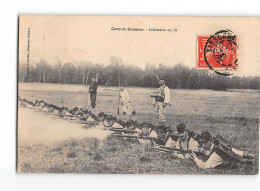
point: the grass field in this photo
(233, 114)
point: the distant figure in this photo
(126, 102)
(160, 101)
(93, 92)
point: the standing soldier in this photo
(93, 92)
(126, 102)
(160, 101)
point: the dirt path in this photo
(37, 127)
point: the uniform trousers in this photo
(160, 112)
(128, 108)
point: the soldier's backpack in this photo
(192, 134)
(159, 96)
(224, 149)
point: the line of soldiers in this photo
(204, 149)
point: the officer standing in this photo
(93, 92)
(160, 101)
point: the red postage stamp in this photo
(217, 52)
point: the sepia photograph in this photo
(138, 95)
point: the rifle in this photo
(157, 77)
(171, 149)
(88, 100)
(61, 115)
(118, 101)
(88, 122)
(164, 150)
(123, 130)
(97, 76)
(136, 137)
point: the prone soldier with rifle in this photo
(129, 127)
(219, 153)
(114, 123)
(172, 150)
(136, 131)
(158, 136)
(181, 142)
(102, 117)
(187, 140)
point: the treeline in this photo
(178, 76)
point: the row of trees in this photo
(177, 76)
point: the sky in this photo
(61, 39)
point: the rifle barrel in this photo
(88, 122)
(124, 130)
(137, 137)
(164, 150)
(180, 150)
(128, 136)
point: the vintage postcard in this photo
(138, 95)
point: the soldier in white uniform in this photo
(160, 101)
(126, 102)
(173, 137)
(219, 152)
(187, 141)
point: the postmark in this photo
(218, 52)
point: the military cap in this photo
(162, 78)
(110, 118)
(171, 129)
(160, 128)
(151, 126)
(205, 137)
(141, 125)
(48, 105)
(84, 109)
(181, 128)
(130, 122)
(101, 114)
(57, 107)
(75, 109)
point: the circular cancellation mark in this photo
(220, 52)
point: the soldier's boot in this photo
(247, 155)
